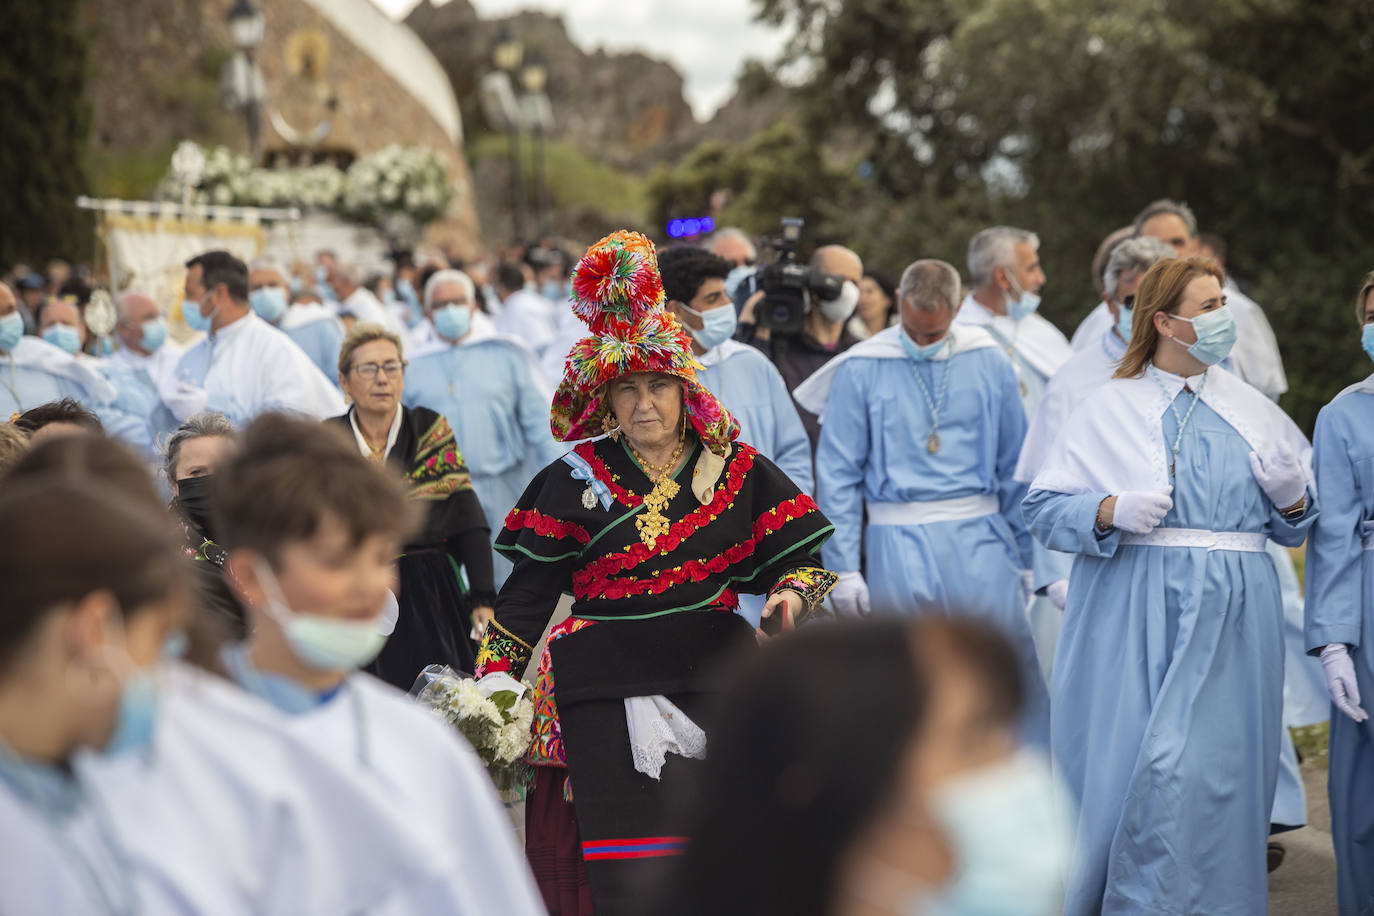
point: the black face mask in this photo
(193, 498)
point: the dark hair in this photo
(218, 267)
(1214, 242)
(510, 276)
(801, 760)
(685, 267)
(888, 286)
(66, 410)
(87, 458)
(287, 475)
(62, 539)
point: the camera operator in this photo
(822, 333)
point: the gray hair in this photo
(440, 277)
(1134, 255)
(123, 299)
(730, 233)
(197, 427)
(929, 285)
(350, 273)
(996, 247)
(1170, 207)
(267, 262)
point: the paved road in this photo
(1305, 885)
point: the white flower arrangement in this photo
(495, 717)
(394, 181)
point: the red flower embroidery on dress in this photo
(589, 582)
(546, 526)
(602, 473)
(638, 552)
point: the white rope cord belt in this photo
(1243, 541)
(936, 510)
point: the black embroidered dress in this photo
(645, 621)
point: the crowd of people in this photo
(1050, 637)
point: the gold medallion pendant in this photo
(933, 443)
(588, 498)
(652, 523)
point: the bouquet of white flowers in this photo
(495, 716)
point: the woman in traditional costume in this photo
(654, 530)
(437, 607)
(1340, 614)
(1168, 678)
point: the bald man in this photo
(823, 333)
(142, 333)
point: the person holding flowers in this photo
(654, 528)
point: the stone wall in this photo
(155, 81)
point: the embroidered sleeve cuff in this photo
(811, 582)
(502, 651)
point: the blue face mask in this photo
(296, 284)
(1216, 335)
(269, 302)
(63, 336)
(717, 325)
(918, 353)
(1011, 829)
(406, 290)
(190, 313)
(136, 716)
(1366, 340)
(735, 277)
(154, 334)
(452, 321)
(552, 290)
(11, 331)
(1023, 306)
(1123, 323)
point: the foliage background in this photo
(918, 122)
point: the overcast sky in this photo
(706, 40)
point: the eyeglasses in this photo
(392, 367)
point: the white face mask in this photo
(842, 306)
(323, 643)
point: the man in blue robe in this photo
(922, 423)
(744, 380)
(490, 390)
(310, 325)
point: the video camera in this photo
(789, 289)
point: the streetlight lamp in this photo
(507, 52)
(241, 81)
(537, 113)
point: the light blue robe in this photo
(490, 395)
(25, 386)
(752, 389)
(137, 414)
(1340, 609)
(873, 448)
(320, 339)
(1168, 689)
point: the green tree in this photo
(1067, 116)
(46, 127)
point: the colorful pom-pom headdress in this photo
(617, 292)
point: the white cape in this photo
(1036, 341)
(1114, 441)
(36, 353)
(814, 393)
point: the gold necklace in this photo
(652, 523)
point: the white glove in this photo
(1341, 682)
(1058, 592)
(850, 595)
(1280, 475)
(184, 399)
(1028, 583)
(1140, 511)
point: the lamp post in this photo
(506, 54)
(242, 80)
(537, 113)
